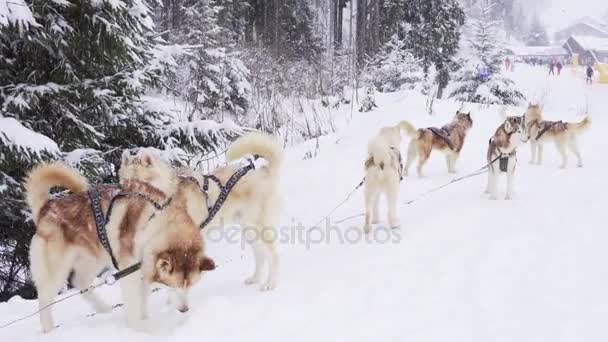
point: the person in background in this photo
(589, 74)
(551, 65)
(507, 63)
(559, 67)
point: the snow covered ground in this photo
(461, 268)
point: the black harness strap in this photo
(546, 128)
(100, 222)
(443, 134)
(224, 191)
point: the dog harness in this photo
(213, 209)
(443, 134)
(547, 126)
(101, 220)
(503, 158)
(370, 161)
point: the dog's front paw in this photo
(367, 229)
(395, 224)
(269, 286)
(252, 280)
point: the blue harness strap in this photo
(100, 222)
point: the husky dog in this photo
(449, 139)
(383, 171)
(564, 135)
(66, 239)
(502, 154)
(252, 203)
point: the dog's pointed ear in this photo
(207, 264)
(508, 126)
(126, 156)
(164, 266)
(147, 159)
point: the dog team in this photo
(384, 170)
(159, 227)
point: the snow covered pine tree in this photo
(71, 74)
(479, 79)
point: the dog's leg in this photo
(372, 197)
(510, 177)
(376, 211)
(392, 195)
(132, 287)
(539, 157)
(411, 155)
(574, 148)
(533, 148)
(84, 275)
(269, 242)
(49, 273)
(452, 162)
(259, 259)
(562, 151)
(489, 183)
(493, 174)
(424, 155)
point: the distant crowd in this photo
(555, 65)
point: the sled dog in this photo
(502, 155)
(252, 203)
(448, 139)
(166, 241)
(383, 171)
(563, 134)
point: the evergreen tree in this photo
(393, 68)
(537, 36)
(72, 75)
(479, 78)
(432, 33)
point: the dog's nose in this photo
(183, 309)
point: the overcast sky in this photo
(556, 14)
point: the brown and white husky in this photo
(563, 134)
(502, 154)
(448, 139)
(167, 242)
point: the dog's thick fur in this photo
(169, 245)
(383, 171)
(507, 137)
(424, 141)
(563, 134)
(253, 202)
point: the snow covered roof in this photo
(592, 43)
(595, 24)
(12, 132)
(538, 50)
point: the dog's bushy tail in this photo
(408, 128)
(42, 178)
(256, 143)
(580, 126)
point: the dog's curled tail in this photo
(580, 126)
(42, 178)
(408, 128)
(256, 143)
